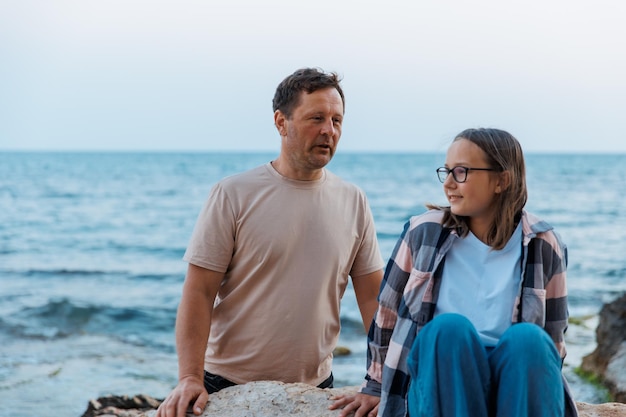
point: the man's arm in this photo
(193, 324)
(366, 288)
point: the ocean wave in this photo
(352, 325)
(79, 273)
(62, 318)
(67, 272)
(615, 273)
(54, 194)
(163, 252)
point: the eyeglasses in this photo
(458, 173)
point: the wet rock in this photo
(608, 360)
(121, 406)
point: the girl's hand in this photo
(362, 405)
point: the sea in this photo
(91, 267)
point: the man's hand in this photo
(188, 389)
(361, 405)
(193, 324)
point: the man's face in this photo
(310, 136)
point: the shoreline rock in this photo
(608, 360)
(121, 406)
(273, 399)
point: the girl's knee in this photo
(449, 328)
(451, 322)
(525, 332)
(527, 339)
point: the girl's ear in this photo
(504, 181)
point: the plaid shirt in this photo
(409, 291)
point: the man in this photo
(270, 256)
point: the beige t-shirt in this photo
(287, 248)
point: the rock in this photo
(273, 399)
(602, 410)
(608, 360)
(341, 351)
(121, 406)
(615, 375)
(277, 399)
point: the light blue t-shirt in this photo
(481, 284)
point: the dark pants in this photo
(214, 383)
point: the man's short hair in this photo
(287, 95)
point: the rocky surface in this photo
(608, 360)
(121, 406)
(274, 399)
(602, 410)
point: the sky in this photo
(193, 75)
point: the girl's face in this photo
(476, 197)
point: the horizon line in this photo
(267, 151)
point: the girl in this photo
(473, 305)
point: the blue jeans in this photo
(454, 375)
